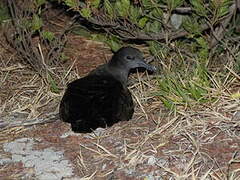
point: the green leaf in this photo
(98, 37)
(118, 8)
(85, 12)
(172, 4)
(40, 2)
(63, 57)
(142, 22)
(199, 7)
(221, 7)
(82, 31)
(95, 3)
(147, 3)
(197, 92)
(223, 11)
(4, 14)
(155, 48)
(157, 13)
(135, 14)
(71, 3)
(53, 85)
(48, 35)
(36, 23)
(168, 103)
(122, 7)
(155, 27)
(109, 9)
(237, 65)
(203, 50)
(202, 42)
(114, 44)
(191, 25)
(125, 6)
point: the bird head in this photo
(128, 58)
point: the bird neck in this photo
(119, 73)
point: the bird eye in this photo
(130, 57)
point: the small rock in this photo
(103, 167)
(236, 116)
(176, 20)
(151, 161)
(69, 133)
(47, 163)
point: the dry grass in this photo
(24, 91)
(153, 144)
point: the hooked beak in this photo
(143, 64)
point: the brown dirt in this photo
(86, 54)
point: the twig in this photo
(218, 33)
(41, 56)
(238, 4)
(127, 31)
(28, 122)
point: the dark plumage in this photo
(101, 98)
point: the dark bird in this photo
(102, 98)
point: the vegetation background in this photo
(191, 40)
